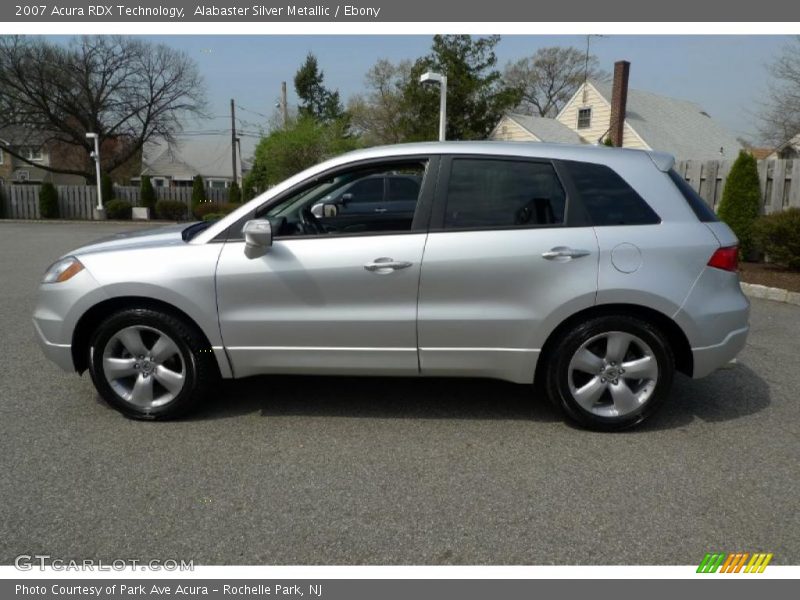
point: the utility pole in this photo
(284, 107)
(233, 139)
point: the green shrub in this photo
(778, 236)
(171, 210)
(148, 193)
(107, 188)
(213, 216)
(741, 201)
(235, 193)
(212, 207)
(118, 209)
(48, 201)
(198, 193)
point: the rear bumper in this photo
(710, 358)
(61, 354)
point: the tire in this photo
(174, 374)
(610, 373)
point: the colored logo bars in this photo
(734, 562)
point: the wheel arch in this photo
(88, 322)
(676, 338)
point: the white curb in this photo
(755, 290)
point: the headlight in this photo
(63, 270)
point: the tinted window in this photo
(402, 189)
(503, 193)
(608, 199)
(366, 190)
(693, 199)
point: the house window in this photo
(31, 153)
(1, 156)
(584, 118)
(218, 184)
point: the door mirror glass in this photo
(257, 237)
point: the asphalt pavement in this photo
(326, 470)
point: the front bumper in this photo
(58, 308)
(61, 354)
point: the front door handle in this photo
(385, 265)
(564, 253)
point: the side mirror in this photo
(347, 198)
(330, 210)
(257, 237)
(318, 210)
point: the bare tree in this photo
(550, 77)
(780, 120)
(126, 90)
(375, 115)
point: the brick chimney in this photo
(619, 101)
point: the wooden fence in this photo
(780, 189)
(78, 201)
(780, 181)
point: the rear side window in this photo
(608, 198)
(702, 210)
(486, 193)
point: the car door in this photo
(507, 258)
(338, 303)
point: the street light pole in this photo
(96, 156)
(442, 81)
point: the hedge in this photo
(118, 209)
(778, 236)
(741, 199)
(48, 201)
(171, 210)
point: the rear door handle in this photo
(564, 253)
(386, 265)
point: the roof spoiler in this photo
(662, 160)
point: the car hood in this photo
(169, 235)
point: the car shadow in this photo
(729, 394)
(376, 397)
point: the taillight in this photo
(726, 259)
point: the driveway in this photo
(324, 470)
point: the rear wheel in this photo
(150, 365)
(611, 372)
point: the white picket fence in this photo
(79, 201)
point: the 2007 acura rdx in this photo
(598, 272)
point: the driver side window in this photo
(359, 201)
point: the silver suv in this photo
(595, 272)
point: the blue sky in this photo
(725, 74)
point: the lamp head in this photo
(430, 77)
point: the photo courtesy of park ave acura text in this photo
(418, 299)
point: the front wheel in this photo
(150, 365)
(611, 372)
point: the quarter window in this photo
(608, 198)
(485, 193)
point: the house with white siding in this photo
(629, 118)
